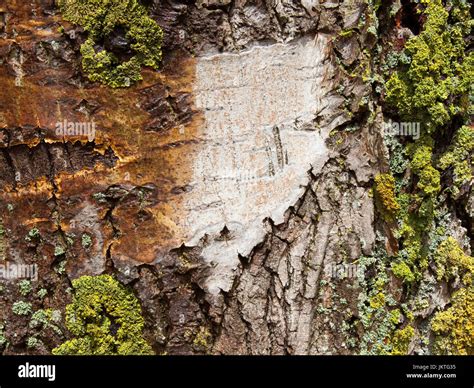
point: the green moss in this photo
(105, 319)
(385, 196)
(99, 18)
(21, 308)
(454, 327)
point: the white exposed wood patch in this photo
(259, 142)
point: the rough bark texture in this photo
(223, 189)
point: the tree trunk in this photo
(232, 190)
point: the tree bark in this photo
(232, 190)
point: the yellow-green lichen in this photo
(403, 271)
(434, 86)
(100, 18)
(459, 157)
(431, 86)
(451, 261)
(202, 338)
(385, 196)
(417, 211)
(105, 319)
(428, 176)
(415, 217)
(395, 316)
(454, 327)
(401, 340)
(377, 301)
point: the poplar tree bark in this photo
(232, 190)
